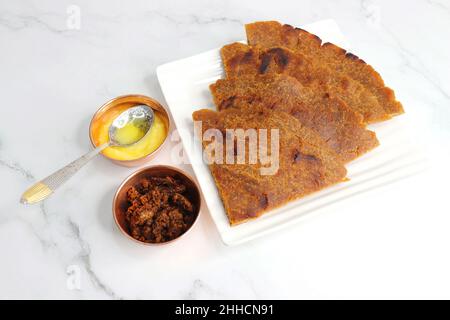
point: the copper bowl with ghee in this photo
(120, 104)
(120, 203)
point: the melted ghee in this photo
(128, 134)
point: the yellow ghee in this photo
(128, 134)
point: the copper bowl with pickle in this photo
(156, 205)
(147, 147)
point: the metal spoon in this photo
(140, 116)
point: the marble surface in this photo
(58, 67)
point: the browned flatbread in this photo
(341, 128)
(242, 60)
(273, 34)
(306, 163)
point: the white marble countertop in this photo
(391, 243)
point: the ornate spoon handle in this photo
(44, 188)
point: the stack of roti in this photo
(319, 99)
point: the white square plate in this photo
(185, 85)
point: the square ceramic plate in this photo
(185, 84)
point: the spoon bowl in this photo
(131, 126)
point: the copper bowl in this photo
(120, 202)
(131, 100)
